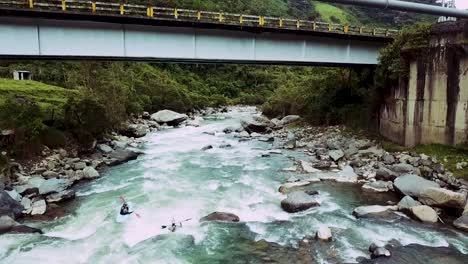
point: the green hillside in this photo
(330, 13)
(48, 97)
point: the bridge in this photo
(66, 29)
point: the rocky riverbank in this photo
(38, 188)
(428, 190)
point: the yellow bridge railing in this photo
(164, 13)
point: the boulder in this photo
(9, 206)
(39, 207)
(120, 156)
(61, 196)
(307, 167)
(290, 144)
(135, 130)
(372, 210)
(121, 144)
(54, 185)
(442, 198)
(26, 203)
(424, 213)
(406, 203)
(206, 147)
(298, 201)
(403, 168)
(50, 174)
(146, 116)
(289, 186)
(195, 122)
(380, 252)
(385, 174)
(220, 216)
(462, 222)
(323, 233)
(388, 159)
(80, 165)
(90, 173)
(412, 185)
(322, 164)
(252, 126)
(9, 225)
(104, 148)
(336, 154)
(289, 119)
(169, 117)
(15, 195)
(378, 186)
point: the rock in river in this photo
(406, 203)
(120, 156)
(54, 185)
(462, 222)
(372, 210)
(8, 206)
(8, 225)
(378, 186)
(442, 198)
(298, 201)
(424, 213)
(220, 216)
(412, 185)
(90, 173)
(289, 186)
(324, 233)
(169, 117)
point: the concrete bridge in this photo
(92, 30)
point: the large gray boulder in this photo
(135, 130)
(462, 222)
(406, 203)
(289, 119)
(424, 213)
(385, 174)
(378, 186)
(169, 117)
(61, 196)
(9, 207)
(290, 186)
(442, 198)
(336, 154)
(120, 156)
(253, 126)
(403, 168)
(54, 185)
(412, 185)
(220, 216)
(90, 173)
(373, 210)
(104, 148)
(298, 201)
(39, 207)
(9, 225)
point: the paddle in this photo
(123, 201)
(188, 219)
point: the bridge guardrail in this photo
(164, 13)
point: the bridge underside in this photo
(40, 38)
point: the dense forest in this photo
(79, 101)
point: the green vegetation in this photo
(411, 40)
(449, 156)
(330, 13)
(50, 98)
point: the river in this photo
(175, 179)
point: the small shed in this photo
(22, 75)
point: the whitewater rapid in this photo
(175, 179)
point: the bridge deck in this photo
(145, 14)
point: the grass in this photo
(48, 97)
(449, 156)
(327, 12)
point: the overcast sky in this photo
(461, 4)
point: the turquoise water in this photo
(174, 179)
